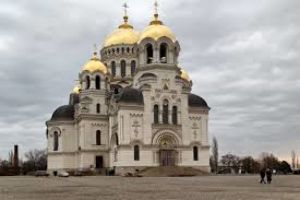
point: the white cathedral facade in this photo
(133, 108)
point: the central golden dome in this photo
(94, 64)
(156, 30)
(123, 35)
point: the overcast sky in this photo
(243, 57)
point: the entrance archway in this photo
(168, 155)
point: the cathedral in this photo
(132, 108)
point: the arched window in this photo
(128, 50)
(123, 68)
(98, 83)
(123, 50)
(98, 108)
(98, 137)
(136, 153)
(55, 141)
(174, 115)
(88, 82)
(163, 51)
(166, 112)
(113, 68)
(195, 153)
(118, 50)
(133, 66)
(155, 111)
(149, 53)
(116, 139)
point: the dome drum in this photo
(93, 81)
(162, 51)
(118, 51)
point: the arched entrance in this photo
(167, 154)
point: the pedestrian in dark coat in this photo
(262, 175)
(269, 176)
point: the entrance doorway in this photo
(99, 162)
(167, 157)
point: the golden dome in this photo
(94, 64)
(156, 29)
(123, 35)
(184, 75)
(77, 89)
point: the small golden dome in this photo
(94, 64)
(123, 35)
(77, 89)
(156, 30)
(184, 75)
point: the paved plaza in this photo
(165, 188)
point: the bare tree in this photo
(35, 160)
(293, 155)
(269, 161)
(10, 157)
(215, 155)
(232, 162)
(250, 165)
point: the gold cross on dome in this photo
(95, 49)
(125, 8)
(156, 7)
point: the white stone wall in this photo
(131, 124)
(87, 160)
(67, 141)
(87, 134)
(126, 158)
(62, 161)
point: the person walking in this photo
(262, 176)
(269, 175)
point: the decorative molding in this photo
(194, 118)
(95, 124)
(198, 110)
(136, 115)
(136, 125)
(86, 100)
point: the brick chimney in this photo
(16, 157)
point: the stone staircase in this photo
(170, 171)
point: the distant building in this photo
(132, 109)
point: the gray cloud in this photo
(243, 57)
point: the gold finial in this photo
(125, 8)
(156, 9)
(156, 21)
(125, 25)
(95, 57)
(95, 50)
(125, 13)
